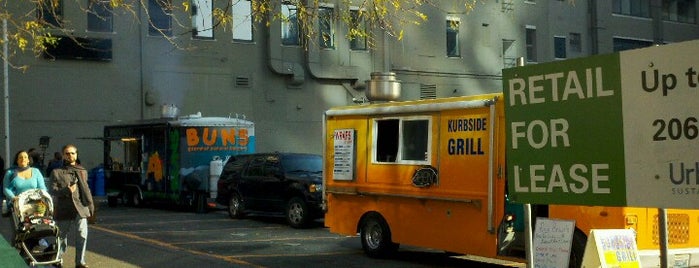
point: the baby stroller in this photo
(36, 233)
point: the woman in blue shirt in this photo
(22, 177)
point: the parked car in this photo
(282, 184)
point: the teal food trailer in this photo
(171, 160)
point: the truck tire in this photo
(376, 237)
(297, 214)
(235, 207)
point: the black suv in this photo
(288, 184)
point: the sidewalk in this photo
(9, 256)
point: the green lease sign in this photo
(612, 130)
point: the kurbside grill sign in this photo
(614, 130)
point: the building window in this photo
(453, 46)
(160, 21)
(575, 42)
(621, 44)
(559, 47)
(326, 28)
(680, 11)
(358, 30)
(531, 43)
(509, 53)
(402, 140)
(637, 8)
(99, 16)
(202, 19)
(242, 20)
(290, 25)
(50, 13)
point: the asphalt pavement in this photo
(108, 248)
(151, 237)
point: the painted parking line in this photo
(174, 247)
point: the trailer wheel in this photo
(235, 207)
(376, 237)
(199, 203)
(112, 201)
(297, 213)
(132, 198)
(577, 249)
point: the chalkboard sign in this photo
(552, 240)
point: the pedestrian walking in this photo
(73, 202)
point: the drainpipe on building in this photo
(594, 28)
(140, 66)
(276, 60)
(6, 87)
(655, 13)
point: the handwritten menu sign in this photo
(552, 240)
(343, 148)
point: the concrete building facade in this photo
(265, 74)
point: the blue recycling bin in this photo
(96, 181)
(91, 180)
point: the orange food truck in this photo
(431, 173)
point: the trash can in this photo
(99, 182)
(91, 180)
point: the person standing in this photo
(37, 160)
(56, 162)
(73, 202)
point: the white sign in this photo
(343, 149)
(662, 150)
(611, 248)
(552, 240)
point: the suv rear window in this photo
(234, 166)
(295, 163)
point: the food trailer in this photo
(171, 160)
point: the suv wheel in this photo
(235, 206)
(297, 213)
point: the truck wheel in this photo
(235, 207)
(376, 237)
(577, 249)
(297, 213)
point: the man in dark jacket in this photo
(72, 201)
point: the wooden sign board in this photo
(552, 240)
(611, 248)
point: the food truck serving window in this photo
(401, 140)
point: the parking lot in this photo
(161, 237)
